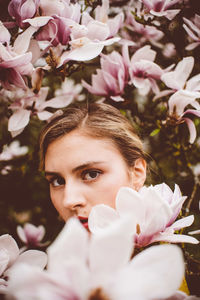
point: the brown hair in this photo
(98, 121)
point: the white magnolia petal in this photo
(140, 279)
(19, 120)
(180, 100)
(71, 243)
(127, 203)
(38, 21)
(144, 53)
(44, 115)
(4, 260)
(34, 258)
(86, 52)
(100, 217)
(22, 42)
(184, 222)
(59, 101)
(110, 249)
(177, 78)
(4, 34)
(8, 243)
(175, 238)
(192, 130)
(21, 234)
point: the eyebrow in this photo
(78, 168)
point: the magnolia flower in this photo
(186, 92)
(87, 41)
(147, 33)
(99, 268)
(31, 235)
(101, 15)
(160, 8)
(13, 67)
(10, 257)
(4, 34)
(143, 71)
(12, 151)
(111, 79)
(22, 9)
(151, 212)
(61, 8)
(193, 30)
(71, 91)
(28, 103)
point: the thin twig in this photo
(187, 209)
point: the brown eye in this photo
(58, 181)
(91, 175)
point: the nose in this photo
(73, 196)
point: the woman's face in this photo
(84, 171)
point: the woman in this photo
(87, 155)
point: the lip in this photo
(84, 221)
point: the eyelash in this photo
(85, 172)
(83, 177)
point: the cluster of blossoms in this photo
(52, 36)
(102, 264)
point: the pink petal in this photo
(144, 53)
(9, 244)
(100, 217)
(180, 100)
(110, 249)
(34, 258)
(192, 130)
(38, 21)
(21, 234)
(175, 238)
(140, 279)
(177, 78)
(16, 61)
(22, 42)
(44, 115)
(97, 31)
(4, 260)
(4, 34)
(184, 222)
(28, 9)
(19, 120)
(71, 243)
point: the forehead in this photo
(77, 148)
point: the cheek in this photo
(110, 188)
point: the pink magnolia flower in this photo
(143, 71)
(10, 257)
(101, 15)
(87, 41)
(150, 213)
(12, 151)
(193, 30)
(57, 31)
(28, 103)
(160, 8)
(31, 235)
(4, 34)
(23, 9)
(61, 8)
(80, 268)
(146, 32)
(186, 93)
(14, 67)
(111, 79)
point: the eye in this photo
(90, 175)
(57, 181)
